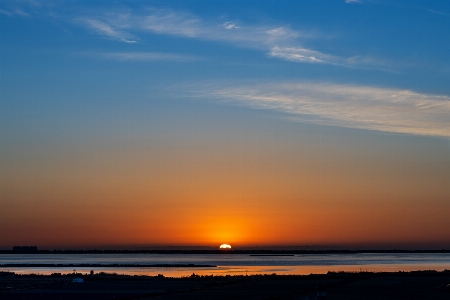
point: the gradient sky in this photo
(254, 123)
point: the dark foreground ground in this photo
(402, 285)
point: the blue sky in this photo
(87, 87)
(209, 50)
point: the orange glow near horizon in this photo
(271, 196)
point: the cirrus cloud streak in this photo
(145, 56)
(281, 42)
(362, 107)
(106, 29)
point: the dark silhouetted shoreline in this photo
(337, 285)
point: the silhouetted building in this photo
(25, 249)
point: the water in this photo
(233, 264)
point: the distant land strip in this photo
(106, 266)
(271, 254)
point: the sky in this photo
(139, 124)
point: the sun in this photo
(225, 247)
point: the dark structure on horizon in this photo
(25, 249)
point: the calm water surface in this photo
(232, 264)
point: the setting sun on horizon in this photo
(140, 124)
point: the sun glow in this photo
(225, 246)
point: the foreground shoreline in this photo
(426, 284)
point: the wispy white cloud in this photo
(15, 12)
(438, 12)
(187, 25)
(108, 30)
(229, 25)
(299, 54)
(352, 1)
(4, 12)
(363, 107)
(303, 55)
(169, 22)
(144, 56)
(21, 13)
(280, 42)
(129, 26)
(22, 8)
